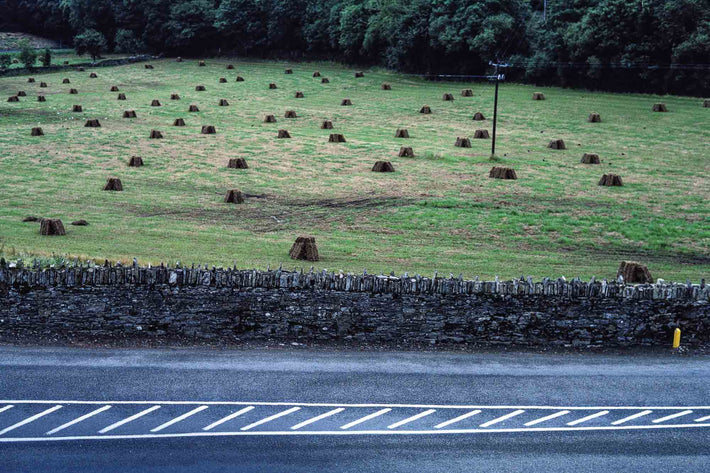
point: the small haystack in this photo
(383, 166)
(304, 248)
(478, 116)
(283, 134)
(359, 74)
(659, 107)
(269, 119)
(31, 218)
(37, 131)
(80, 223)
(51, 227)
(594, 118)
(590, 158)
(13, 98)
(41, 98)
(201, 64)
(234, 196)
(557, 144)
(290, 114)
(481, 135)
(208, 130)
(77, 109)
(155, 103)
(223, 103)
(113, 184)
(174, 97)
(336, 138)
(706, 103)
(538, 96)
(193, 108)
(401, 133)
(222, 80)
(156, 135)
(467, 93)
(272, 86)
(634, 273)
(288, 71)
(345, 102)
(73, 91)
(463, 142)
(79, 69)
(237, 163)
(299, 95)
(448, 97)
(316, 74)
(386, 86)
(426, 110)
(240, 79)
(114, 88)
(21, 93)
(121, 96)
(93, 75)
(178, 59)
(406, 152)
(326, 125)
(324, 80)
(66, 81)
(129, 114)
(179, 122)
(30, 80)
(230, 66)
(43, 84)
(135, 162)
(610, 180)
(148, 66)
(200, 88)
(502, 173)
(92, 123)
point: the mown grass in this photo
(438, 211)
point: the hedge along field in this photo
(438, 211)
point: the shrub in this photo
(46, 58)
(5, 60)
(28, 55)
(91, 42)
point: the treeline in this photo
(624, 45)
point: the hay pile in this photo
(467, 93)
(406, 152)
(75, 92)
(230, 66)
(336, 138)
(634, 273)
(148, 66)
(13, 98)
(299, 95)
(326, 125)
(43, 84)
(135, 162)
(93, 75)
(92, 123)
(178, 59)
(425, 110)
(304, 248)
(272, 86)
(659, 107)
(179, 122)
(51, 227)
(240, 79)
(22, 93)
(594, 118)
(324, 81)
(359, 74)
(174, 97)
(200, 88)
(121, 96)
(538, 96)
(234, 196)
(114, 88)
(223, 103)
(557, 144)
(208, 130)
(316, 74)
(80, 223)
(222, 80)
(156, 135)
(502, 173)
(462, 142)
(386, 86)
(269, 119)
(193, 108)
(610, 180)
(448, 97)
(345, 102)
(290, 114)
(37, 131)
(706, 103)
(237, 163)
(201, 64)
(30, 80)
(155, 103)
(66, 81)
(41, 98)
(481, 135)
(288, 71)
(129, 114)
(113, 184)
(283, 134)
(590, 158)
(383, 166)
(77, 109)
(401, 133)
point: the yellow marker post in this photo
(676, 338)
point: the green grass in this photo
(438, 211)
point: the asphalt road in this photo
(316, 411)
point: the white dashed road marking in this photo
(28, 421)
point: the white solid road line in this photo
(317, 418)
(3, 409)
(128, 419)
(631, 417)
(702, 419)
(229, 417)
(546, 418)
(502, 418)
(457, 419)
(29, 419)
(365, 419)
(270, 418)
(590, 417)
(78, 419)
(411, 419)
(672, 416)
(178, 419)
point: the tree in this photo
(5, 60)
(46, 57)
(90, 41)
(28, 55)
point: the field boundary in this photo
(60, 67)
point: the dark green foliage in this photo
(46, 58)
(27, 55)
(91, 42)
(5, 60)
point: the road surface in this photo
(120, 410)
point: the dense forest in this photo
(625, 45)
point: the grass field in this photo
(438, 211)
